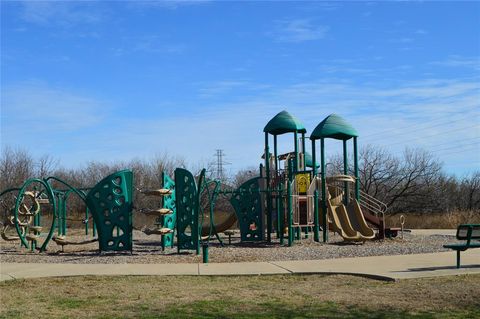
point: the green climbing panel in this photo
(246, 201)
(170, 219)
(186, 194)
(110, 203)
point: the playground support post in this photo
(281, 215)
(289, 213)
(269, 195)
(304, 152)
(277, 198)
(59, 214)
(324, 193)
(295, 134)
(316, 230)
(355, 163)
(316, 221)
(345, 171)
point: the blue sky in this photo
(112, 81)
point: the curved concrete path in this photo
(379, 267)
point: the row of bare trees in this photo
(414, 182)
(411, 182)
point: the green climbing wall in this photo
(170, 219)
(186, 195)
(246, 201)
(110, 203)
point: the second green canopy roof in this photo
(282, 123)
(333, 126)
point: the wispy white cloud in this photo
(427, 113)
(458, 61)
(421, 31)
(64, 13)
(148, 44)
(221, 88)
(298, 30)
(166, 4)
(34, 107)
(403, 40)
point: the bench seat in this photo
(470, 234)
(462, 247)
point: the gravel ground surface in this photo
(147, 249)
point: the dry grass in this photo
(241, 297)
(448, 220)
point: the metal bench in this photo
(470, 233)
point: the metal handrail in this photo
(371, 203)
(375, 200)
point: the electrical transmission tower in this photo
(220, 163)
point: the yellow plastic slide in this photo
(358, 220)
(347, 222)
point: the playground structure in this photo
(299, 197)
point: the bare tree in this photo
(470, 192)
(45, 166)
(405, 183)
(244, 175)
(16, 166)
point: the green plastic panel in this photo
(246, 201)
(187, 210)
(170, 219)
(110, 203)
(333, 126)
(282, 123)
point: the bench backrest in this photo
(468, 232)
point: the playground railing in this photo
(369, 202)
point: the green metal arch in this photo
(19, 200)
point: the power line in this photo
(436, 124)
(456, 146)
(433, 135)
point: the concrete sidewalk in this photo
(380, 267)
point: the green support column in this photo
(269, 196)
(345, 171)
(324, 191)
(275, 151)
(281, 215)
(64, 220)
(304, 152)
(86, 221)
(289, 214)
(316, 230)
(59, 215)
(94, 228)
(355, 164)
(295, 134)
(277, 198)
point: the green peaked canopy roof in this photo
(282, 123)
(333, 126)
